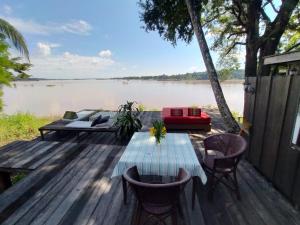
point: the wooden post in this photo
(5, 181)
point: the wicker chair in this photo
(158, 201)
(222, 155)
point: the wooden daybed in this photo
(81, 125)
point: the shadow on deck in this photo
(74, 187)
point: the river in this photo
(53, 97)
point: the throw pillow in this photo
(96, 121)
(69, 115)
(176, 112)
(194, 112)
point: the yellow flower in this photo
(152, 131)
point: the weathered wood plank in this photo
(16, 196)
(287, 160)
(41, 197)
(15, 151)
(62, 191)
(275, 204)
(274, 122)
(261, 106)
(58, 207)
(100, 186)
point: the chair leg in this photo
(174, 217)
(194, 192)
(236, 185)
(211, 187)
(137, 217)
(124, 184)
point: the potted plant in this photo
(158, 130)
(127, 120)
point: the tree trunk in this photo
(253, 15)
(212, 73)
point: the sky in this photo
(95, 39)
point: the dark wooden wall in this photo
(272, 110)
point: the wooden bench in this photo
(26, 156)
(73, 171)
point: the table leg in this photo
(194, 179)
(124, 183)
(42, 135)
(5, 181)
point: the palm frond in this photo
(15, 37)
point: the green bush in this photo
(20, 126)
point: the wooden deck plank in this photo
(49, 190)
(51, 200)
(16, 151)
(277, 206)
(72, 185)
(35, 153)
(100, 186)
(57, 208)
(13, 198)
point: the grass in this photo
(20, 126)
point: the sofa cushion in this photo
(194, 112)
(176, 112)
(96, 121)
(70, 115)
(184, 119)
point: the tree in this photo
(17, 39)
(10, 68)
(181, 20)
(251, 24)
(233, 23)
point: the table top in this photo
(175, 151)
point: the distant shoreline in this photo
(128, 80)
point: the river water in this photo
(53, 97)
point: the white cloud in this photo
(69, 65)
(45, 48)
(105, 53)
(77, 27)
(193, 69)
(80, 27)
(7, 9)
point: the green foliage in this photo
(237, 116)
(9, 32)
(158, 130)
(291, 37)
(20, 126)
(229, 24)
(10, 68)
(128, 120)
(169, 17)
(141, 107)
(17, 177)
(234, 74)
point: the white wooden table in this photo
(175, 151)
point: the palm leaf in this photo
(15, 37)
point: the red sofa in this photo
(184, 118)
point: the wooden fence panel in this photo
(274, 121)
(288, 158)
(260, 113)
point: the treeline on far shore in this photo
(234, 75)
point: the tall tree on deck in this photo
(232, 23)
(181, 20)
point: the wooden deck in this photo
(69, 183)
